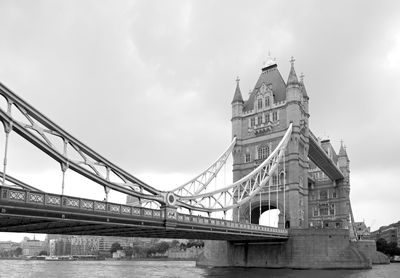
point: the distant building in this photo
(119, 254)
(60, 247)
(73, 245)
(85, 245)
(190, 253)
(32, 247)
(390, 235)
(106, 242)
(363, 232)
(6, 245)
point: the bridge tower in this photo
(259, 124)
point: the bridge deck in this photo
(38, 212)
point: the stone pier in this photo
(305, 248)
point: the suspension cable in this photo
(250, 211)
(284, 188)
(269, 202)
(277, 191)
(8, 130)
(259, 219)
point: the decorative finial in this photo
(237, 80)
(292, 61)
(269, 62)
(301, 77)
(341, 142)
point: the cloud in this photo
(148, 84)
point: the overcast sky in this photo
(148, 84)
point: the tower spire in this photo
(292, 79)
(237, 97)
(303, 87)
(342, 150)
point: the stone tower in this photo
(259, 123)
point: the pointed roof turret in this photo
(342, 151)
(292, 79)
(238, 94)
(303, 87)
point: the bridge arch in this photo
(265, 206)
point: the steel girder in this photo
(42, 133)
(244, 189)
(199, 184)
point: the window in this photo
(267, 102)
(274, 179)
(323, 195)
(281, 178)
(315, 211)
(260, 103)
(259, 119)
(275, 116)
(253, 122)
(323, 209)
(267, 117)
(247, 158)
(263, 152)
(334, 194)
(332, 209)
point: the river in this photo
(119, 269)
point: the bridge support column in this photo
(305, 248)
(170, 216)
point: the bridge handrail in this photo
(69, 202)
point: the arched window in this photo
(260, 103)
(267, 102)
(267, 118)
(281, 177)
(323, 194)
(274, 179)
(274, 116)
(247, 157)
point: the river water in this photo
(118, 269)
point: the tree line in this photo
(391, 249)
(157, 248)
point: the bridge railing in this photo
(85, 205)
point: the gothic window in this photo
(332, 209)
(275, 116)
(274, 179)
(267, 117)
(281, 177)
(323, 195)
(323, 209)
(334, 194)
(267, 102)
(259, 119)
(260, 102)
(247, 157)
(315, 212)
(252, 122)
(263, 152)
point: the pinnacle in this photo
(292, 79)
(238, 94)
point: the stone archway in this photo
(255, 213)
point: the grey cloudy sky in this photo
(148, 84)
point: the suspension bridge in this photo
(25, 208)
(278, 163)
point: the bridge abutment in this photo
(305, 248)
